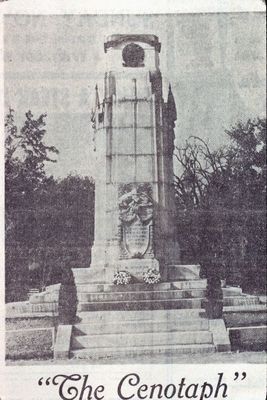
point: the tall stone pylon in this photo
(135, 213)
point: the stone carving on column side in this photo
(115, 40)
(171, 116)
(156, 82)
(110, 85)
(136, 221)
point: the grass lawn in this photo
(209, 358)
(28, 338)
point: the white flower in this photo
(122, 278)
(151, 276)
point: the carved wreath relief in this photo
(136, 216)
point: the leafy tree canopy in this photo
(232, 175)
(221, 202)
(25, 155)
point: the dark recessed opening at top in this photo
(133, 55)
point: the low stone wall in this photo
(25, 309)
(39, 304)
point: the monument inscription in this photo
(136, 238)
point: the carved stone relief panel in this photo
(136, 220)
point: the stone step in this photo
(135, 287)
(231, 291)
(133, 352)
(144, 315)
(140, 305)
(240, 300)
(145, 295)
(141, 326)
(84, 285)
(141, 339)
(245, 308)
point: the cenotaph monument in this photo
(135, 227)
(135, 223)
(135, 213)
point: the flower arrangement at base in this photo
(152, 276)
(122, 278)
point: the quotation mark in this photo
(47, 381)
(237, 376)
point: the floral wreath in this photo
(151, 276)
(122, 278)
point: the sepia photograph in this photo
(135, 189)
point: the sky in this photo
(214, 62)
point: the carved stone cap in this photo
(115, 40)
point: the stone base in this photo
(99, 274)
(136, 267)
(181, 272)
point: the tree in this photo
(221, 203)
(68, 300)
(25, 156)
(247, 161)
(64, 213)
(200, 169)
(47, 219)
(248, 182)
(58, 223)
